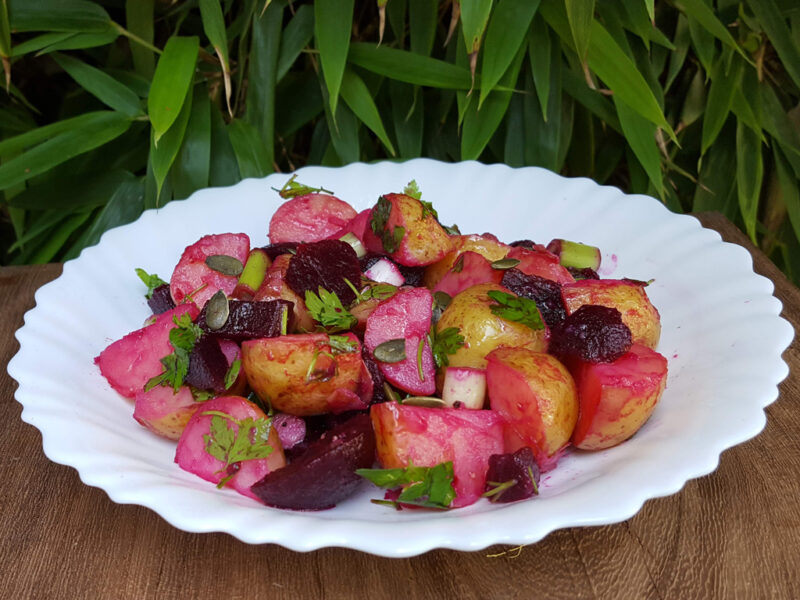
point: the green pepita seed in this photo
(392, 351)
(425, 401)
(227, 265)
(217, 311)
(505, 263)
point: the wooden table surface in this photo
(734, 533)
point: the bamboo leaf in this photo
(641, 137)
(422, 21)
(170, 87)
(716, 186)
(224, 169)
(343, 130)
(539, 52)
(777, 123)
(139, 21)
(703, 43)
(214, 28)
(790, 193)
(38, 42)
(599, 105)
(250, 150)
(505, 35)
(296, 36)
(163, 154)
(702, 13)
(262, 79)
(332, 22)
(720, 98)
(774, 24)
(396, 12)
(56, 15)
(681, 42)
(124, 206)
(408, 117)
(514, 149)
(5, 30)
(694, 103)
(61, 147)
(190, 170)
(87, 191)
(580, 14)
(409, 67)
(57, 239)
(749, 176)
(358, 98)
(474, 18)
(30, 138)
(81, 41)
(298, 100)
(107, 89)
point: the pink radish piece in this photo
(129, 363)
(193, 276)
(385, 271)
(428, 436)
(357, 226)
(464, 387)
(291, 430)
(469, 269)
(192, 454)
(309, 218)
(406, 315)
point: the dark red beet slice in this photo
(529, 244)
(585, 273)
(378, 391)
(592, 334)
(275, 250)
(520, 467)
(251, 320)
(413, 275)
(323, 475)
(545, 292)
(207, 366)
(324, 264)
(161, 301)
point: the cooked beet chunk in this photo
(378, 391)
(519, 467)
(251, 320)
(592, 334)
(325, 264)
(546, 294)
(529, 244)
(412, 275)
(207, 366)
(585, 273)
(275, 250)
(325, 474)
(161, 300)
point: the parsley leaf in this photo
(517, 309)
(151, 281)
(412, 189)
(176, 365)
(327, 310)
(379, 223)
(429, 487)
(294, 188)
(247, 442)
(445, 342)
(341, 344)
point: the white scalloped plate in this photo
(721, 333)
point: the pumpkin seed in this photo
(227, 265)
(441, 300)
(505, 263)
(392, 351)
(424, 401)
(217, 311)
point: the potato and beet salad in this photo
(384, 346)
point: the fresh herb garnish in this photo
(429, 487)
(247, 442)
(517, 309)
(445, 342)
(459, 265)
(199, 395)
(498, 488)
(379, 291)
(233, 373)
(327, 310)
(341, 344)
(323, 373)
(379, 223)
(452, 229)
(151, 281)
(420, 348)
(412, 189)
(176, 365)
(293, 188)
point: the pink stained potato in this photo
(406, 315)
(542, 263)
(428, 436)
(309, 218)
(191, 454)
(130, 362)
(469, 269)
(424, 240)
(617, 398)
(274, 287)
(537, 399)
(299, 374)
(486, 245)
(193, 276)
(165, 412)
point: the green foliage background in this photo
(112, 107)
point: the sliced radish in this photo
(385, 271)
(469, 269)
(309, 218)
(464, 387)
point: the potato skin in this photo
(277, 370)
(629, 298)
(485, 245)
(484, 331)
(537, 398)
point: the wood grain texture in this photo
(734, 533)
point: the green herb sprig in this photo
(183, 337)
(517, 309)
(428, 487)
(327, 310)
(152, 281)
(292, 189)
(445, 342)
(247, 442)
(379, 223)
